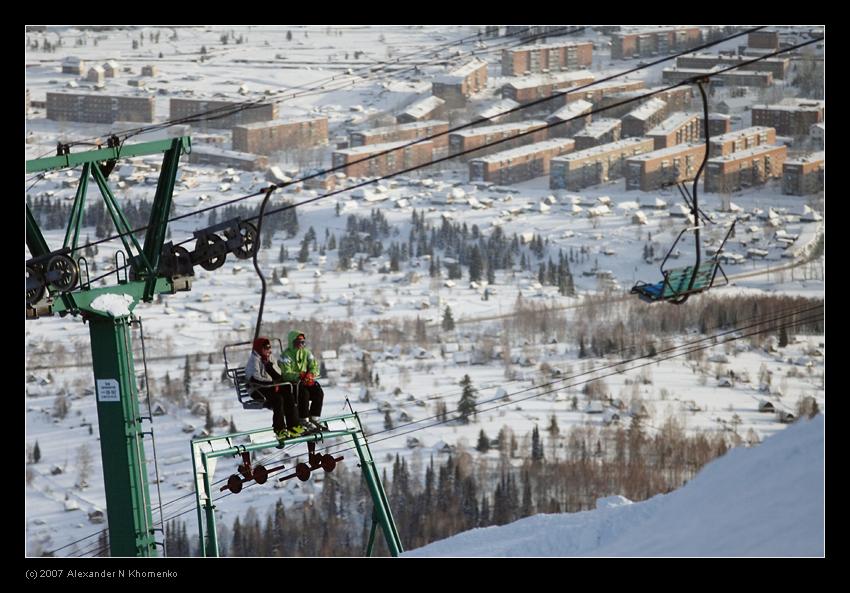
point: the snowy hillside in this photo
(764, 501)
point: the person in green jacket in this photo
(300, 367)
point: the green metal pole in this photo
(371, 545)
(379, 497)
(72, 235)
(209, 509)
(35, 240)
(119, 421)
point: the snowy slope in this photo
(764, 501)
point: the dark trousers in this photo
(310, 399)
(282, 404)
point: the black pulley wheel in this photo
(62, 273)
(35, 286)
(315, 460)
(248, 235)
(215, 245)
(328, 463)
(302, 472)
(261, 474)
(234, 484)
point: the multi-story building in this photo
(519, 164)
(464, 140)
(397, 157)
(791, 118)
(667, 166)
(641, 120)
(643, 42)
(777, 66)
(599, 131)
(238, 114)
(99, 108)
(718, 123)
(764, 39)
(679, 128)
(407, 132)
(551, 57)
(726, 144)
(745, 168)
(595, 165)
(461, 83)
(568, 120)
(531, 88)
(804, 175)
(428, 108)
(753, 78)
(817, 132)
(272, 136)
(211, 155)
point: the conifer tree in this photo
(466, 406)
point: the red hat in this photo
(259, 343)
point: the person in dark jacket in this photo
(265, 380)
(300, 368)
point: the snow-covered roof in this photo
(743, 154)
(424, 106)
(751, 131)
(526, 150)
(671, 123)
(279, 122)
(460, 73)
(370, 148)
(801, 105)
(402, 127)
(601, 149)
(499, 128)
(648, 109)
(209, 149)
(573, 109)
(535, 80)
(811, 158)
(599, 127)
(549, 46)
(498, 108)
(669, 151)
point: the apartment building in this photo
(469, 139)
(237, 116)
(428, 108)
(531, 88)
(568, 120)
(99, 108)
(273, 136)
(790, 117)
(595, 165)
(803, 176)
(726, 144)
(551, 57)
(679, 128)
(640, 121)
(397, 158)
(599, 131)
(646, 42)
(459, 84)
(668, 166)
(744, 169)
(407, 132)
(519, 164)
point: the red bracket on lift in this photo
(303, 471)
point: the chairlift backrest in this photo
(236, 372)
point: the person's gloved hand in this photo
(307, 379)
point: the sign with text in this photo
(108, 391)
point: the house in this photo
(611, 416)
(443, 447)
(785, 417)
(149, 70)
(72, 65)
(96, 74)
(111, 69)
(594, 407)
(724, 382)
(766, 406)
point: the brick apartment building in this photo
(595, 165)
(459, 84)
(646, 42)
(571, 118)
(531, 88)
(764, 39)
(397, 159)
(551, 57)
(726, 144)
(406, 132)
(595, 93)
(667, 166)
(501, 111)
(519, 164)
(285, 134)
(792, 118)
(99, 108)
(474, 137)
(679, 128)
(600, 131)
(804, 175)
(777, 66)
(180, 108)
(641, 120)
(428, 108)
(745, 168)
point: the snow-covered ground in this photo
(222, 306)
(764, 501)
